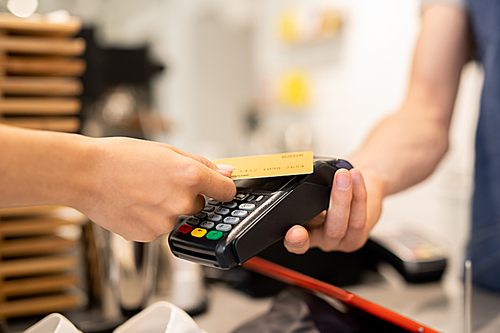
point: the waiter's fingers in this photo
(316, 222)
(355, 236)
(337, 217)
(297, 240)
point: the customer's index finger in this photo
(218, 187)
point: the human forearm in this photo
(135, 188)
(40, 168)
(402, 150)
(407, 146)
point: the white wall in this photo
(357, 78)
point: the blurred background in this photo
(223, 78)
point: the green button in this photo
(214, 235)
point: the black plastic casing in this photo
(300, 199)
(414, 271)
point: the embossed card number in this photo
(272, 165)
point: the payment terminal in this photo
(226, 234)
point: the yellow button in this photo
(198, 232)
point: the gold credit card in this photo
(272, 165)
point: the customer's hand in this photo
(355, 207)
(138, 188)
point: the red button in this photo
(185, 229)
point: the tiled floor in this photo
(229, 308)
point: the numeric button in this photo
(201, 215)
(192, 220)
(241, 196)
(213, 202)
(207, 224)
(223, 227)
(239, 213)
(208, 209)
(222, 211)
(247, 206)
(230, 205)
(232, 220)
(214, 217)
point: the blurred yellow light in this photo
(294, 89)
(288, 26)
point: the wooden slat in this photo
(28, 211)
(40, 86)
(39, 305)
(34, 266)
(67, 124)
(42, 45)
(41, 106)
(39, 25)
(38, 70)
(31, 227)
(35, 246)
(49, 66)
(44, 284)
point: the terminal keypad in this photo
(218, 218)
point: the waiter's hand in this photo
(355, 207)
(138, 188)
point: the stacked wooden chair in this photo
(39, 88)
